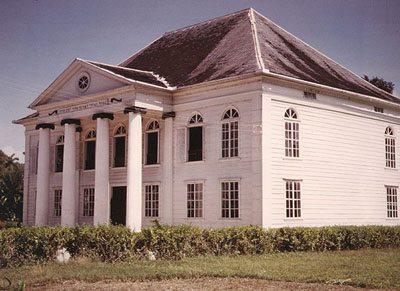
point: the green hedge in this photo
(27, 245)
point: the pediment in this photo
(67, 85)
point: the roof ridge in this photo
(260, 61)
(313, 48)
(207, 21)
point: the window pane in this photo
(90, 155)
(119, 158)
(152, 148)
(195, 144)
(59, 158)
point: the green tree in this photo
(380, 83)
(11, 188)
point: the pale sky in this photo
(38, 39)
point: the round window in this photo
(83, 82)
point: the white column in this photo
(167, 171)
(134, 173)
(43, 178)
(101, 185)
(68, 197)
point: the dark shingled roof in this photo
(137, 75)
(226, 47)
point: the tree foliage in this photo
(11, 188)
(380, 83)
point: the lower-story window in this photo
(151, 200)
(293, 201)
(57, 202)
(230, 199)
(391, 198)
(195, 200)
(88, 202)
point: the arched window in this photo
(90, 150)
(291, 134)
(195, 138)
(119, 146)
(390, 148)
(59, 158)
(152, 142)
(230, 133)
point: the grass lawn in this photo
(363, 268)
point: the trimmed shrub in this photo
(27, 245)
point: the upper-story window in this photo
(59, 157)
(90, 150)
(390, 148)
(195, 138)
(230, 133)
(119, 146)
(152, 142)
(291, 134)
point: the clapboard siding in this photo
(341, 165)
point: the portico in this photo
(70, 174)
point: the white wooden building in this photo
(233, 121)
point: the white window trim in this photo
(387, 136)
(158, 143)
(292, 120)
(160, 204)
(301, 199)
(386, 203)
(84, 149)
(190, 125)
(203, 199)
(113, 146)
(239, 198)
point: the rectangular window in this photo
(194, 200)
(390, 152)
(152, 148)
(230, 139)
(88, 202)
(291, 139)
(293, 201)
(59, 158)
(195, 152)
(119, 154)
(57, 202)
(230, 199)
(391, 198)
(151, 200)
(90, 152)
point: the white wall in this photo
(341, 165)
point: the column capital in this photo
(70, 121)
(135, 109)
(168, 114)
(44, 125)
(103, 115)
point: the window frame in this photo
(57, 203)
(233, 180)
(286, 199)
(59, 142)
(194, 183)
(147, 131)
(85, 148)
(392, 206)
(390, 163)
(292, 121)
(152, 184)
(191, 125)
(88, 211)
(115, 135)
(229, 121)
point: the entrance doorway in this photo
(118, 205)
